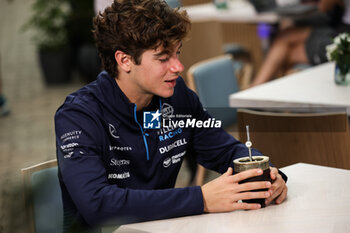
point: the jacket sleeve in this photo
(79, 149)
(214, 148)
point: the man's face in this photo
(157, 73)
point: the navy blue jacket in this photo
(112, 169)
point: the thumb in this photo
(273, 173)
(229, 172)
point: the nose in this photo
(176, 65)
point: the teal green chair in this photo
(43, 201)
(214, 80)
(174, 3)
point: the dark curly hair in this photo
(133, 26)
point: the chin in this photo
(167, 94)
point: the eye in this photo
(165, 59)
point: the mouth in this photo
(171, 83)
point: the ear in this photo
(124, 60)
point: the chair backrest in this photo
(174, 3)
(214, 80)
(288, 138)
(43, 198)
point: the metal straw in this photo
(249, 144)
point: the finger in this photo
(246, 206)
(247, 174)
(275, 197)
(254, 185)
(283, 196)
(274, 193)
(276, 189)
(273, 173)
(229, 171)
(269, 200)
(252, 195)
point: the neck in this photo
(141, 100)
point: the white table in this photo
(318, 201)
(310, 89)
(238, 11)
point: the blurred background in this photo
(27, 133)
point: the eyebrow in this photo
(157, 55)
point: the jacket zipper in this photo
(143, 133)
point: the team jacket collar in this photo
(113, 98)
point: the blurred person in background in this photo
(304, 40)
(4, 108)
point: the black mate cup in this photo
(243, 164)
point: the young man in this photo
(113, 168)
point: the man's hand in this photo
(223, 193)
(285, 23)
(278, 190)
